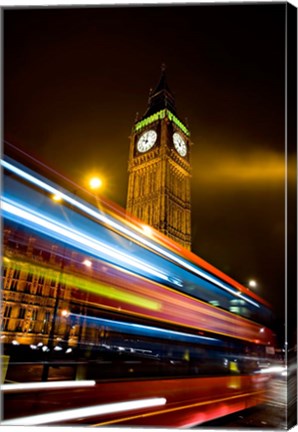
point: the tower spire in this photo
(161, 96)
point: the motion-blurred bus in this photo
(107, 322)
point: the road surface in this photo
(273, 414)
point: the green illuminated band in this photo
(161, 115)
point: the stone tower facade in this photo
(159, 189)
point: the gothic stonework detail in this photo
(159, 189)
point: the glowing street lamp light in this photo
(252, 283)
(95, 183)
(65, 313)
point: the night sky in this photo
(74, 79)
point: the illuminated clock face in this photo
(179, 144)
(146, 141)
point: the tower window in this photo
(41, 280)
(34, 315)
(27, 287)
(19, 326)
(16, 274)
(22, 313)
(13, 286)
(29, 277)
(7, 311)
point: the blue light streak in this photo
(15, 212)
(144, 330)
(127, 232)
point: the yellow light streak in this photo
(88, 285)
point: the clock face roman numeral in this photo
(146, 141)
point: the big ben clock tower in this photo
(159, 167)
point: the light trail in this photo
(148, 329)
(96, 410)
(105, 290)
(77, 238)
(123, 230)
(272, 369)
(46, 385)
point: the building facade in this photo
(30, 291)
(38, 289)
(159, 182)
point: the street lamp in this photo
(45, 373)
(95, 183)
(83, 309)
(252, 283)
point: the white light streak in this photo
(273, 369)
(78, 237)
(45, 385)
(97, 410)
(117, 226)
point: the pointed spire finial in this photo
(161, 96)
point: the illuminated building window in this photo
(27, 288)
(235, 309)
(32, 327)
(214, 302)
(22, 313)
(34, 315)
(7, 311)
(19, 326)
(16, 274)
(237, 302)
(39, 290)
(29, 277)
(13, 286)
(5, 324)
(41, 280)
